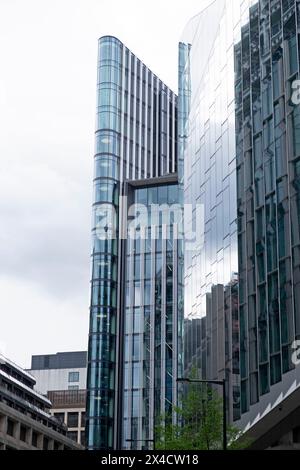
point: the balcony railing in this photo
(65, 398)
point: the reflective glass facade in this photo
(239, 147)
(207, 153)
(268, 152)
(153, 319)
(135, 140)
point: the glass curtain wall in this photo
(208, 154)
(152, 308)
(135, 139)
(266, 67)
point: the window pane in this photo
(73, 376)
(72, 420)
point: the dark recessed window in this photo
(23, 433)
(72, 420)
(82, 438)
(296, 435)
(83, 419)
(60, 417)
(72, 435)
(34, 439)
(10, 427)
(45, 443)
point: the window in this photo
(106, 166)
(148, 261)
(254, 388)
(244, 397)
(259, 187)
(136, 348)
(83, 419)
(271, 234)
(23, 432)
(126, 376)
(73, 387)
(106, 191)
(82, 438)
(45, 443)
(257, 153)
(137, 270)
(10, 427)
(147, 299)
(135, 404)
(264, 379)
(173, 194)
(136, 375)
(138, 326)
(137, 294)
(275, 369)
(296, 435)
(73, 376)
(274, 317)
(104, 294)
(104, 267)
(72, 420)
(60, 417)
(72, 435)
(34, 439)
(108, 143)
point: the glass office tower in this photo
(239, 134)
(268, 163)
(208, 155)
(153, 314)
(132, 303)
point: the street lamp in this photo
(142, 440)
(223, 384)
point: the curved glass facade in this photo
(135, 139)
(104, 285)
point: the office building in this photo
(239, 121)
(25, 419)
(268, 162)
(152, 318)
(206, 138)
(62, 378)
(60, 371)
(133, 317)
(239, 140)
(68, 407)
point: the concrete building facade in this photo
(25, 419)
(62, 378)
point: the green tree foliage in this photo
(199, 424)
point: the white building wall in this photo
(57, 379)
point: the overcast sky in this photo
(48, 54)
